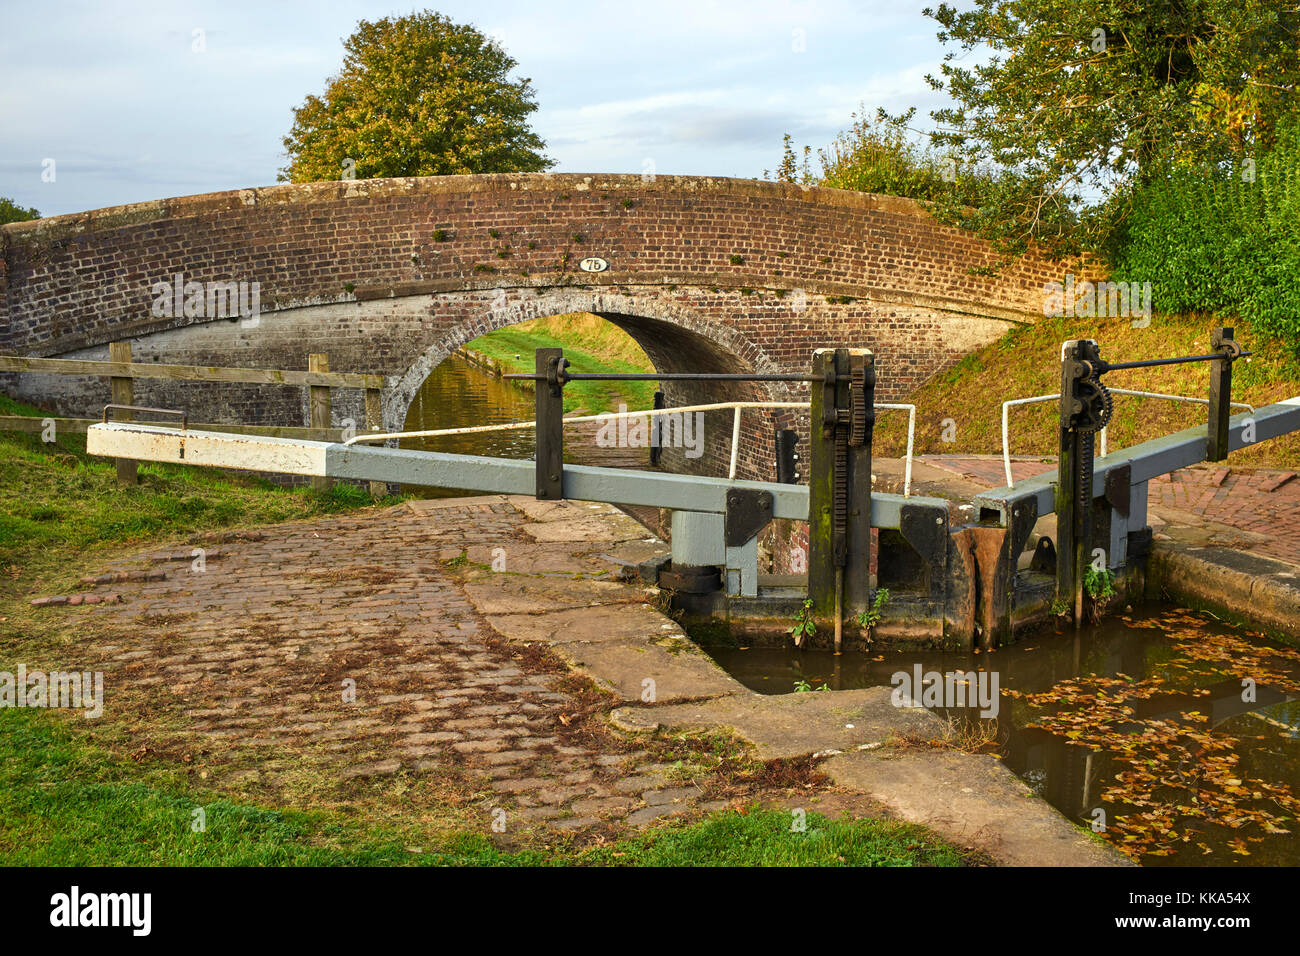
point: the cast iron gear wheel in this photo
(1098, 405)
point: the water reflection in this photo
(1256, 734)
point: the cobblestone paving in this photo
(256, 648)
(1251, 501)
(1264, 503)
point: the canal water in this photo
(458, 394)
(1175, 737)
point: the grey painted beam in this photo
(437, 469)
(1152, 458)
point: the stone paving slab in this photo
(561, 560)
(639, 670)
(504, 594)
(633, 622)
(973, 800)
(790, 725)
(584, 528)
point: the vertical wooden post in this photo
(122, 391)
(657, 429)
(375, 422)
(1216, 445)
(319, 406)
(550, 426)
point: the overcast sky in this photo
(117, 96)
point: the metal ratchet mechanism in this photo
(1086, 408)
(848, 427)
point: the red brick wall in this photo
(84, 279)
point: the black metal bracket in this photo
(1119, 488)
(1044, 560)
(657, 430)
(555, 374)
(925, 529)
(786, 456)
(748, 512)
(1022, 515)
(1139, 543)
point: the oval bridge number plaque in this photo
(593, 264)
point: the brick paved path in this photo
(1265, 504)
(987, 470)
(255, 650)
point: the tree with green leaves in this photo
(1082, 102)
(884, 155)
(10, 211)
(417, 95)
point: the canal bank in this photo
(1237, 586)
(442, 641)
(564, 577)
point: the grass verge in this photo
(1026, 362)
(590, 343)
(67, 802)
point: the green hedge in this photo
(1221, 240)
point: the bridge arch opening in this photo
(672, 339)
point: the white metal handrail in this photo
(574, 420)
(1006, 449)
(737, 408)
(911, 434)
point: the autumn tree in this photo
(417, 95)
(1081, 102)
(10, 211)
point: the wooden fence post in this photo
(1218, 430)
(375, 422)
(122, 392)
(319, 406)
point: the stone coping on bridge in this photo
(69, 224)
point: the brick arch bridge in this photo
(389, 276)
